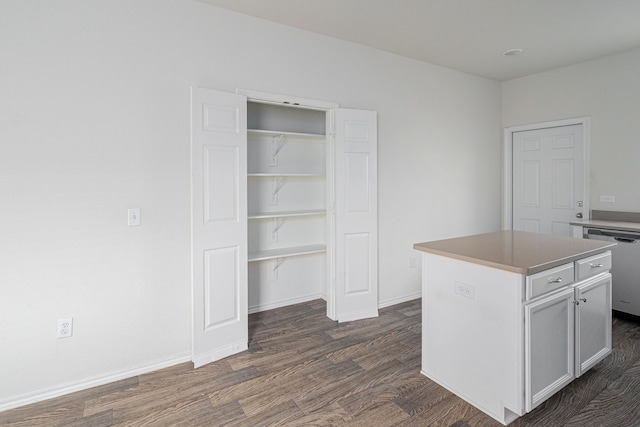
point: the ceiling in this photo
(466, 35)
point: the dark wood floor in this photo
(304, 370)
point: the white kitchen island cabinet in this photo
(509, 318)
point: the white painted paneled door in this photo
(219, 221)
(356, 162)
(548, 179)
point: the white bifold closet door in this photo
(219, 225)
(356, 288)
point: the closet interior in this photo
(287, 189)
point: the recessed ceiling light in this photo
(512, 52)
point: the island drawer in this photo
(593, 265)
(549, 280)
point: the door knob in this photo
(579, 215)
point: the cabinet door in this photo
(356, 222)
(593, 322)
(549, 346)
(219, 224)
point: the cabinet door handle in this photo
(598, 265)
(580, 299)
(556, 280)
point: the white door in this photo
(593, 322)
(219, 224)
(356, 243)
(549, 346)
(548, 179)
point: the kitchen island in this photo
(509, 318)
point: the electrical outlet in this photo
(464, 290)
(412, 262)
(65, 327)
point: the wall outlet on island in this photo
(464, 290)
(607, 198)
(412, 262)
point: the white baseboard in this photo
(219, 353)
(405, 298)
(49, 393)
(278, 304)
(283, 303)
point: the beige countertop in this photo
(516, 251)
(609, 225)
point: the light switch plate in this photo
(133, 217)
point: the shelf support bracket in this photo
(277, 142)
(278, 183)
(277, 225)
(277, 262)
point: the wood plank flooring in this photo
(302, 369)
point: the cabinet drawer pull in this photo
(556, 280)
(598, 265)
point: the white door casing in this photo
(219, 224)
(528, 188)
(548, 179)
(356, 262)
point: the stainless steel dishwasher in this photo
(625, 267)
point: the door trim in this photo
(507, 162)
(291, 101)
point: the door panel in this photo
(357, 265)
(549, 347)
(221, 283)
(219, 225)
(357, 183)
(593, 322)
(221, 197)
(548, 179)
(356, 290)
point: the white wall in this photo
(608, 91)
(94, 119)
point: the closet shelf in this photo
(263, 132)
(287, 174)
(283, 214)
(286, 252)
